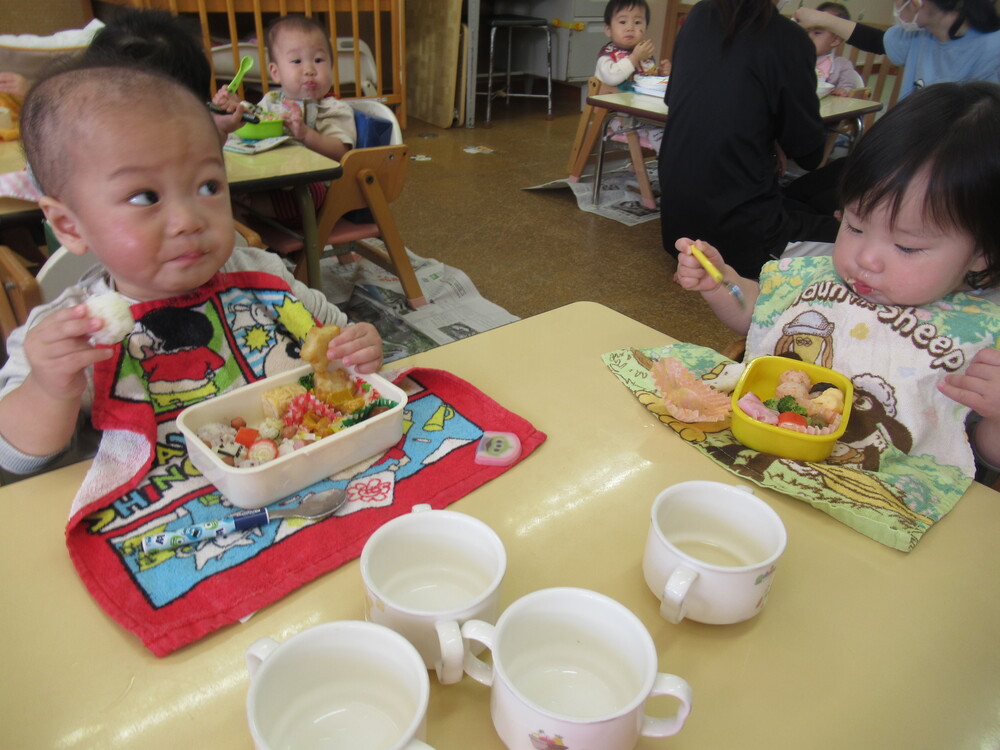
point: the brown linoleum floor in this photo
(532, 251)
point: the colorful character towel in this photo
(904, 460)
(238, 329)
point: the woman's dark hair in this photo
(616, 6)
(738, 16)
(157, 41)
(979, 14)
(950, 133)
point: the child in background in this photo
(628, 53)
(132, 171)
(838, 71)
(300, 60)
(898, 303)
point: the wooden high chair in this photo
(372, 179)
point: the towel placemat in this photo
(895, 505)
(170, 599)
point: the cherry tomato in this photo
(791, 418)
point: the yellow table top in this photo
(831, 108)
(859, 646)
(280, 167)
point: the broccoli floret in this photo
(785, 403)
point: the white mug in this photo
(572, 668)
(425, 574)
(711, 552)
(342, 686)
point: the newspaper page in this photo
(617, 199)
(455, 309)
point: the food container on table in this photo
(257, 131)
(258, 486)
(823, 88)
(651, 85)
(761, 377)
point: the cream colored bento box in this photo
(258, 486)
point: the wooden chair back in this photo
(377, 23)
(20, 292)
(876, 71)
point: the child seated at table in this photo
(838, 71)
(901, 306)
(629, 54)
(300, 59)
(132, 171)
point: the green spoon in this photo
(245, 64)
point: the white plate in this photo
(823, 88)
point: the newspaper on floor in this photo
(366, 292)
(618, 198)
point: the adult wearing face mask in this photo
(936, 41)
(742, 95)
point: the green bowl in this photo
(264, 129)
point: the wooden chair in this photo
(591, 130)
(875, 71)
(587, 131)
(20, 292)
(372, 179)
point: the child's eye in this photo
(211, 187)
(851, 229)
(144, 198)
(908, 250)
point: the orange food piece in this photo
(246, 436)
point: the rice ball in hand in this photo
(114, 311)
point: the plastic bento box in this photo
(258, 486)
(761, 377)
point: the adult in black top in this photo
(743, 80)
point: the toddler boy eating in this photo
(132, 171)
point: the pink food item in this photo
(686, 397)
(755, 409)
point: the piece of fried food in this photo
(333, 386)
(317, 342)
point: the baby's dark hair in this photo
(950, 134)
(836, 9)
(155, 40)
(616, 6)
(302, 24)
(65, 105)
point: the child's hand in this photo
(59, 352)
(979, 387)
(359, 345)
(228, 101)
(13, 83)
(665, 67)
(690, 274)
(294, 120)
(840, 91)
(640, 52)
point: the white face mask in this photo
(906, 25)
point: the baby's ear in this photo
(837, 41)
(64, 224)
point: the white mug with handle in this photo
(426, 573)
(342, 686)
(711, 552)
(572, 667)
